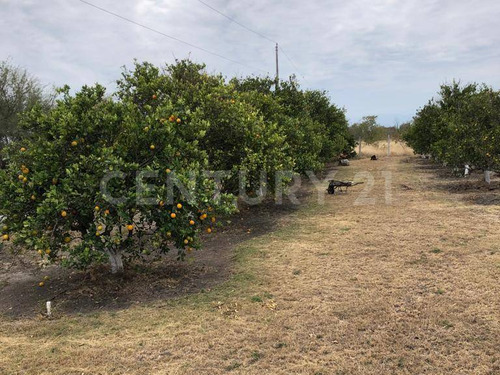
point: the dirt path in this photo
(405, 280)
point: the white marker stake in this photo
(49, 308)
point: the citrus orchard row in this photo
(179, 121)
(461, 126)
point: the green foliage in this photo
(51, 192)
(368, 130)
(461, 126)
(19, 92)
(98, 177)
(315, 129)
(236, 136)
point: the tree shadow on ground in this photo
(73, 292)
(471, 189)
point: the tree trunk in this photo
(487, 176)
(116, 262)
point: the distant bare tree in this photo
(19, 92)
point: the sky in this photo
(374, 57)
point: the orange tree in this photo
(237, 137)
(472, 115)
(461, 126)
(96, 179)
(315, 130)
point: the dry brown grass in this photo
(406, 288)
(380, 149)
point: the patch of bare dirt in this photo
(470, 189)
(163, 278)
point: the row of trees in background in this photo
(370, 131)
(461, 126)
(164, 127)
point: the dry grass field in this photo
(380, 149)
(404, 280)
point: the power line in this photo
(291, 62)
(169, 36)
(255, 32)
(236, 22)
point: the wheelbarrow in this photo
(339, 185)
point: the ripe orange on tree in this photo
(114, 135)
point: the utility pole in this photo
(277, 68)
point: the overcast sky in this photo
(374, 57)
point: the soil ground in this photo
(398, 276)
(156, 279)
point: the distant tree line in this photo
(368, 130)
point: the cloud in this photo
(383, 57)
